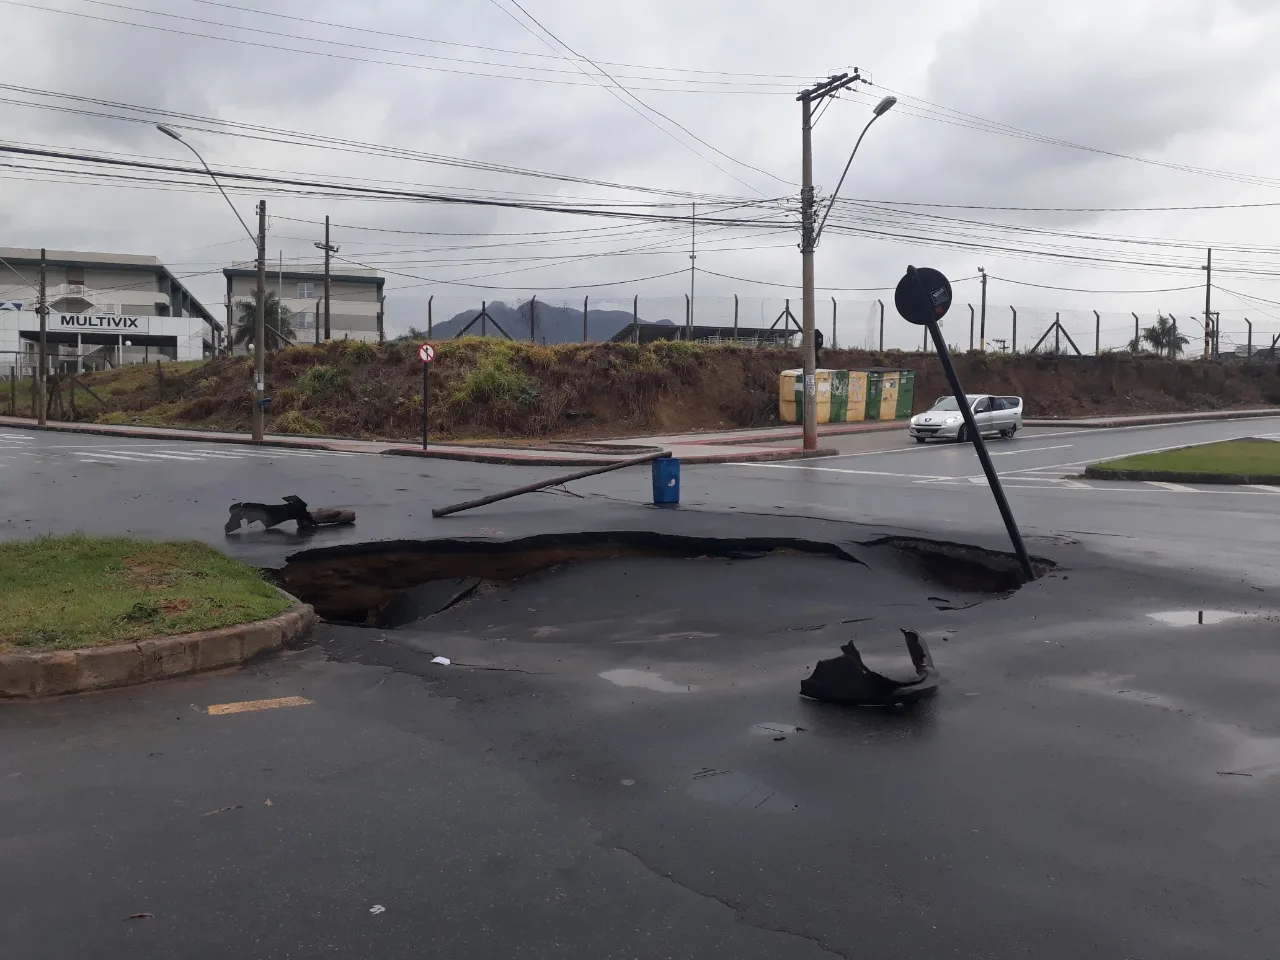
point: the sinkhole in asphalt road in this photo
(391, 584)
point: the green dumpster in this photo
(906, 394)
(875, 390)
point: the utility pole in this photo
(693, 256)
(328, 249)
(259, 327)
(982, 322)
(1208, 306)
(808, 241)
(42, 307)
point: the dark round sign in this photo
(923, 296)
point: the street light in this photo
(809, 236)
(881, 108)
(260, 315)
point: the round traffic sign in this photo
(923, 296)
(426, 353)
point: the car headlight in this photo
(915, 420)
(951, 420)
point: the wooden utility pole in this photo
(42, 357)
(259, 327)
(1208, 306)
(693, 256)
(982, 316)
(329, 249)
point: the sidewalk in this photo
(1154, 419)
(727, 446)
(731, 446)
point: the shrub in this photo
(360, 351)
(321, 380)
(295, 423)
(494, 377)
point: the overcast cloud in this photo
(1190, 82)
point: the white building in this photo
(105, 309)
(355, 299)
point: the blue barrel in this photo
(666, 482)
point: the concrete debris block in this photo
(846, 679)
(292, 508)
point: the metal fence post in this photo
(584, 319)
(635, 318)
(430, 300)
(881, 302)
(735, 316)
(533, 319)
(1014, 310)
(833, 323)
(1248, 350)
(1057, 334)
(970, 306)
(1097, 334)
(1136, 335)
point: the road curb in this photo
(32, 675)
(170, 433)
(509, 459)
(1152, 421)
(1177, 476)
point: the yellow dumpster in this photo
(791, 395)
(857, 409)
(889, 384)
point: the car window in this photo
(983, 406)
(946, 403)
(1011, 403)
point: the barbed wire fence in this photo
(568, 316)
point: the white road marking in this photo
(866, 473)
(1264, 488)
(166, 456)
(1175, 487)
(1014, 453)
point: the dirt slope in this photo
(490, 389)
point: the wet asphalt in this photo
(616, 762)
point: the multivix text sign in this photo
(100, 323)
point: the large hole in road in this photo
(392, 583)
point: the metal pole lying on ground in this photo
(554, 482)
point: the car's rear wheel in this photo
(962, 435)
(1008, 433)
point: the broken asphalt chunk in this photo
(846, 679)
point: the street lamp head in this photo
(884, 106)
(169, 132)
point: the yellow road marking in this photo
(248, 706)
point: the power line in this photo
(471, 46)
(276, 48)
(1042, 286)
(637, 105)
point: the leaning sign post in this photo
(923, 297)
(426, 353)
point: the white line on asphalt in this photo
(118, 456)
(1014, 453)
(808, 469)
(167, 456)
(1175, 487)
(1131, 453)
(1264, 488)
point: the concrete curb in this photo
(508, 458)
(166, 433)
(1155, 420)
(29, 675)
(1176, 476)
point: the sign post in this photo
(426, 353)
(923, 297)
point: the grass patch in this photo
(61, 593)
(322, 380)
(1248, 458)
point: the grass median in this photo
(63, 593)
(1229, 461)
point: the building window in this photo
(306, 291)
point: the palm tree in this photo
(278, 327)
(1163, 337)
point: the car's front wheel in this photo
(920, 439)
(962, 435)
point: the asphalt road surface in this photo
(616, 762)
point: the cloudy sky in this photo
(994, 93)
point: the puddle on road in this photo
(1194, 618)
(645, 680)
(730, 788)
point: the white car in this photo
(998, 416)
